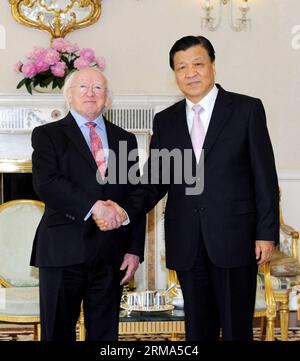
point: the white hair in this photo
(68, 84)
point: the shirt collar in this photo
(206, 102)
(80, 120)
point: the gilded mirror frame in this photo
(57, 28)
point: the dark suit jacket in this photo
(239, 203)
(64, 177)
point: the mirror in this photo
(57, 17)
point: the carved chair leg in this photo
(270, 336)
(282, 298)
(284, 318)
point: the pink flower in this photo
(71, 48)
(81, 63)
(52, 57)
(100, 61)
(64, 46)
(38, 53)
(41, 65)
(61, 58)
(59, 69)
(18, 66)
(88, 54)
(59, 45)
(29, 70)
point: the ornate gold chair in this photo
(285, 270)
(19, 292)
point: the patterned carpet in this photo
(26, 334)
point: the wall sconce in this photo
(210, 23)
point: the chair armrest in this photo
(291, 232)
(4, 283)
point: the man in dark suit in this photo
(78, 262)
(215, 238)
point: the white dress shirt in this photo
(207, 103)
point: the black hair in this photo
(189, 41)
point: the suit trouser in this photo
(217, 298)
(62, 290)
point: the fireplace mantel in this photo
(20, 113)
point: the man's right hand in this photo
(108, 215)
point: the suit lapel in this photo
(179, 124)
(113, 143)
(221, 113)
(73, 132)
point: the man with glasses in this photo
(77, 262)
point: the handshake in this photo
(108, 215)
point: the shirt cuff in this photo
(88, 215)
(127, 221)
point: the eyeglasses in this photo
(84, 88)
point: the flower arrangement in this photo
(52, 65)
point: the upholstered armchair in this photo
(285, 270)
(285, 261)
(19, 292)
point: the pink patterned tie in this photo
(97, 148)
(197, 132)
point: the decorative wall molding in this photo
(20, 113)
